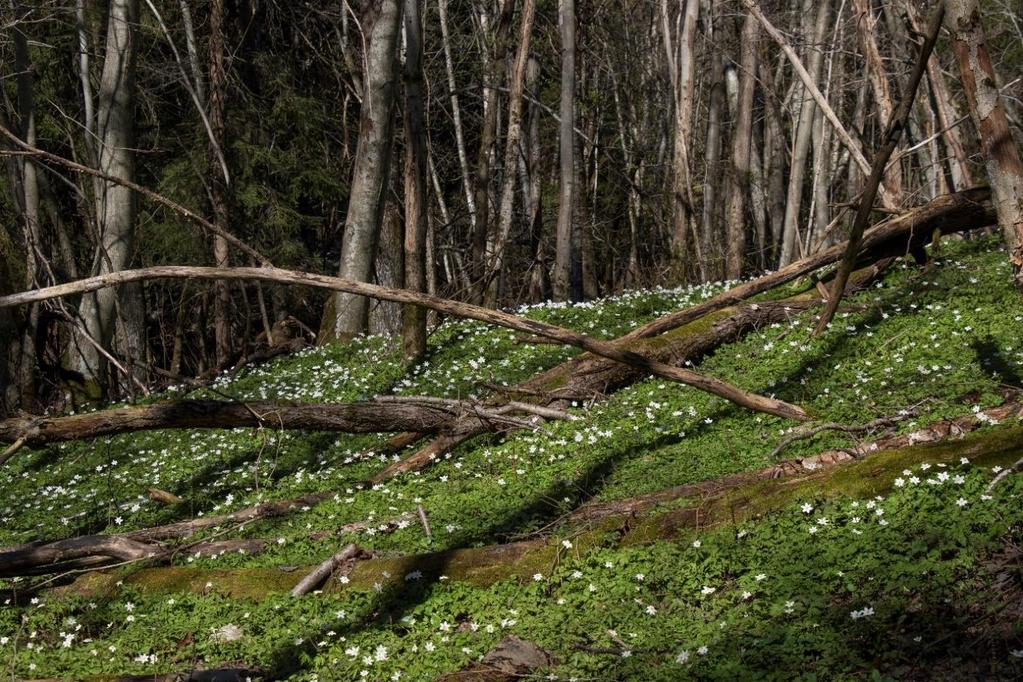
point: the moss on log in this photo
(483, 566)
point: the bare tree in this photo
(219, 180)
(1001, 157)
(372, 163)
(498, 240)
(566, 146)
(742, 138)
(684, 79)
(413, 318)
(115, 205)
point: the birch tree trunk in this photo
(1001, 157)
(566, 146)
(115, 205)
(372, 164)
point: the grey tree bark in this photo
(218, 180)
(115, 205)
(682, 190)
(498, 239)
(566, 147)
(803, 133)
(372, 164)
(739, 179)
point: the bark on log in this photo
(324, 570)
(717, 387)
(720, 502)
(26, 558)
(959, 212)
(424, 415)
(587, 377)
(932, 433)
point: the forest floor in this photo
(911, 571)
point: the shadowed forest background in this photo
(495, 152)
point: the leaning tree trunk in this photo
(498, 240)
(115, 203)
(566, 145)
(369, 176)
(1001, 157)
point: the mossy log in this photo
(695, 508)
(906, 233)
(589, 377)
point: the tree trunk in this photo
(384, 317)
(498, 240)
(713, 248)
(866, 29)
(717, 387)
(29, 206)
(115, 205)
(423, 415)
(742, 138)
(682, 186)
(218, 181)
(413, 318)
(566, 146)
(803, 133)
(456, 115)
(1001, 157)
(488, 140)
(372, 164)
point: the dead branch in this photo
(892, 135)
(345, 558)
(854, 429)
(605, 349)
(148, 193)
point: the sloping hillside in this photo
(899, 566)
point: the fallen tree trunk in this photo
(734, 394)
(936, 432)
(588, 377)
(906, 233)
(29, 559)
(718, 502)
(385, 415)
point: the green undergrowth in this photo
(941, 341)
